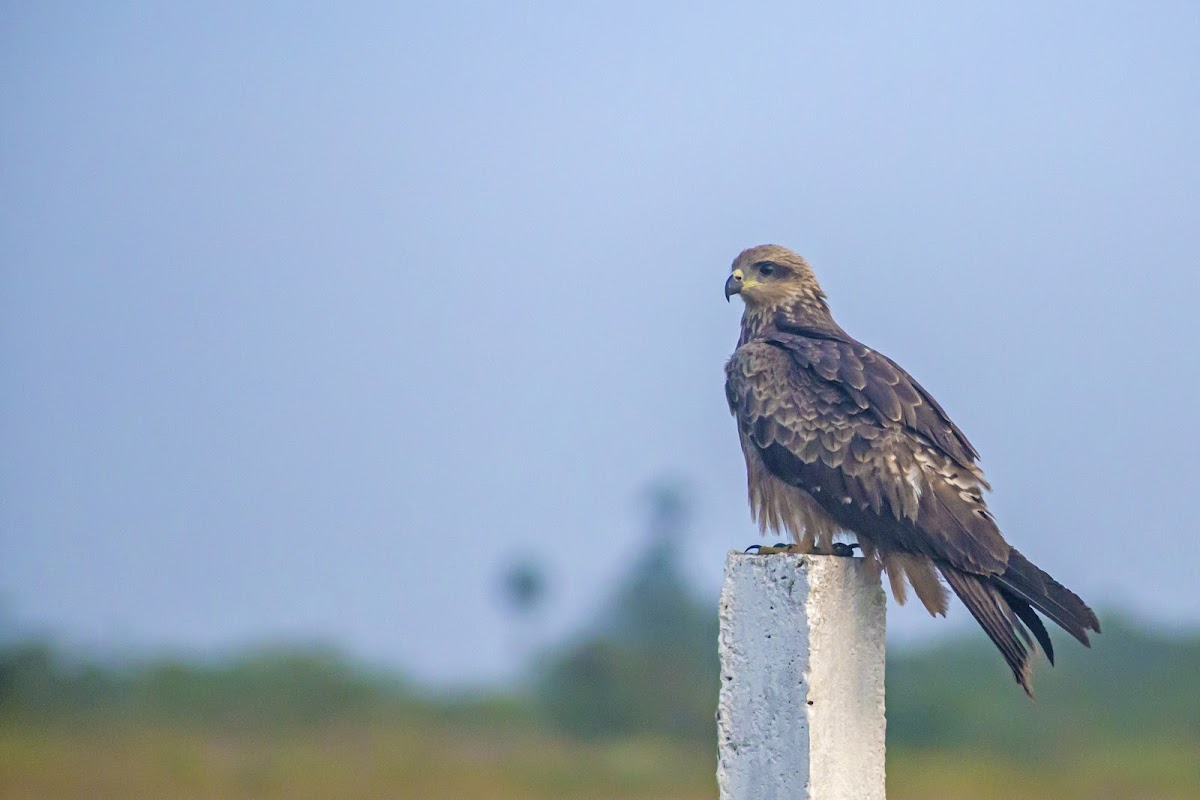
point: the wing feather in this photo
(870, 473)
(894, 394)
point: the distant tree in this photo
(524, 586)
(523, 589)
(649, 664)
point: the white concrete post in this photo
(802, 654)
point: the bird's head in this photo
(769, 277)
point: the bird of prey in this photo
(839, 439)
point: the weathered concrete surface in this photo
(801, 714)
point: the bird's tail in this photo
(1004, 606)
(1026, 582)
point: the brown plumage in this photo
(838, 438)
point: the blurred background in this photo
(363, 416)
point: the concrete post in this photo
(802, 655)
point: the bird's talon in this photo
(843, 549)
(778, 547)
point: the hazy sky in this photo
(312, 317)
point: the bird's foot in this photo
(779, 547)
(839, 549)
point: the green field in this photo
(606, 718)
(446, 761)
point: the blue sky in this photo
(313, 318)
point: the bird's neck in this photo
(800, 310)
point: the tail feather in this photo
(1024, 580)
(1004, 605)
(991, 610)
(1032, 621)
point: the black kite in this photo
(838, 438)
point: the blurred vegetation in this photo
(1122, 721)
(649, 664)
(1135, 686)
(287, 685)
(623, 710)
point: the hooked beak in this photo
(733, 285)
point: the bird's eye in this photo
(766, 269)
